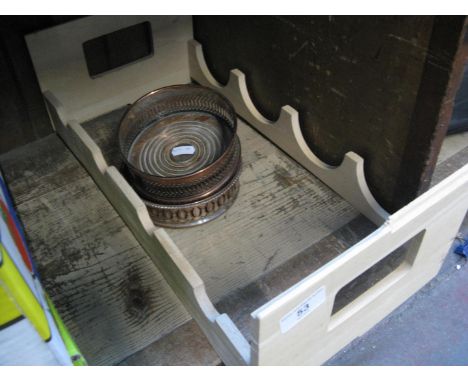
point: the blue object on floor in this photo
(462, 249)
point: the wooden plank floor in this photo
(280, 212)
(108, 292)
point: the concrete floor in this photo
(431, 328)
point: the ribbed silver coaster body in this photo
(178, 145)
(182, 154)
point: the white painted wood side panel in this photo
(439, 213)
(63, 69)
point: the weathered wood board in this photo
(281, 211)
(110, 295)
(185, 346)
(390, 79)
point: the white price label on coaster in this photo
(183, 150)
(303, 310)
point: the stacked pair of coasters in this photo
(182, 154)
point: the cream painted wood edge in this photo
(433, 219)
(347, 179)
(224, 336)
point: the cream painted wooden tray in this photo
(300, 325)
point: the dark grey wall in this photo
(23, 117)
(380, 86)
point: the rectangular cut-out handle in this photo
(119, 48)
(404, 255)
(432, 221)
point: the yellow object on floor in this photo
(15, 286)
(8, 310)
